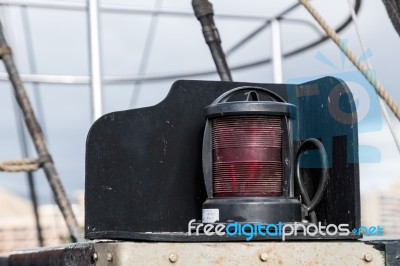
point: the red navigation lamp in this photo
(248, 159)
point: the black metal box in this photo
(144, 166)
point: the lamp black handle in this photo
(306, 145)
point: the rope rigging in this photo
(205, 14)
(368, 61)
(382, 92)
(23, 165)
(393, 10)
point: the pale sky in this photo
(60, 47)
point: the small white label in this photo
(210, 215)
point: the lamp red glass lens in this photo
(247, 156)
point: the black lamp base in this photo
(267, 210)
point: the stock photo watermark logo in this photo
(279, 230)
(338, 105)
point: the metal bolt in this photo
(264, 257)
(173, 258)
(109, 257)
(95, 256)
(368, 257)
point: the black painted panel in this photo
(143, 166)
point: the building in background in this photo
(382, 207)
(18, 227)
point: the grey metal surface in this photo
(244, 253)
(43, 78)
(388, 245)
(276, 51)
(95, 59)
(67, 255)
(120, 8)
(106, 252)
